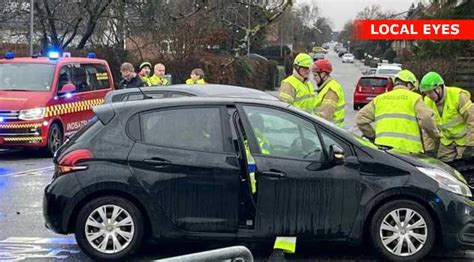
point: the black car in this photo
(173, 91)
(178, 169)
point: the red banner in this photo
(413, 30)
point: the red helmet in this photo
(322, 65)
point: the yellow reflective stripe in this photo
(341, 107)
(395, 115)
(286, 97)
(399, 135)
(10, 126)
(457, 136)
(72, 107)
(22, 139)
(465, 107)
(253, 182)
(451, 123)
(287, 244)
(301, 98)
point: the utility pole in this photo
(31, 26)
(248, 29)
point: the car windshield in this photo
(388, 71)
(26, 77)
(373, 82)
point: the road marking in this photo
(36, 171)
(40, 240)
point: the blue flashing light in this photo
(53, 54)
(2, 119)
(9, 55)
(68, 95)
(437, 200)
(91, 55)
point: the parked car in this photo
(341, 52)
(368, 87)
(317, 56)
(173, 91)
(176, 169)
(348, 58)
(370, 71)
(388, 69)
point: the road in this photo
(24, 174)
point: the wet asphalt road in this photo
(24, 174)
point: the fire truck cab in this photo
(43, 100)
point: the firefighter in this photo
(454, 116)
(296, 89)
(158, 76)
(330, 101)
(144, 72)
(399, 116)
(197, 77)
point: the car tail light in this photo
(69, 162)
(359, 88)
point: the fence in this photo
(464, 73)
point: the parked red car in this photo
(369, 87)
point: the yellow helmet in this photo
(303, 60)
(407, 76)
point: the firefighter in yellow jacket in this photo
(196, 77)
(399, 116)
(454, 114)
(296, 89)
(330, 101)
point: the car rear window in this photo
(373, 82)
(388, 71)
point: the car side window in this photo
(139, 96)
(329, 140)
(282, 134)
(185, 128)
(65, 76)
(97, 75)
(179, 94)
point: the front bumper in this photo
(23, 134)
(456, 214)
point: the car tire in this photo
(129, 236)
(55, 139)
(356, 107)
(386, 234)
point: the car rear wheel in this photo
(356, 107)
(109, 228)
(402, 230)
(55, 139)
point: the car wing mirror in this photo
(67, 89)
(336, 154)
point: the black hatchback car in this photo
(178, 169)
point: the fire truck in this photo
(43, 100)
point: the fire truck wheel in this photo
(55, 139)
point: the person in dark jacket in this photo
(130, 79)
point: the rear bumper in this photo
(20, 134)
(363, 98)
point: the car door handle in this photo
(157, 162)
(274, 174)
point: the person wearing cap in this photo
(454, 114)
(399, 116)
(158, 78)
(144, 72)
(330, 101)
(130, 79)
(197, 77)
(296, 89)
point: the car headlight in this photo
(32, 114)
(447, 181)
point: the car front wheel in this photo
(109, 228)
(402, 230)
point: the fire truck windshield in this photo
(26, 77)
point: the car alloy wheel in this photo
(55, 138)
(403, 232)
(109, 229)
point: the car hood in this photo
(18, 100)
(421, 160)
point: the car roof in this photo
(376, 76)
(209, 90)
(45, 60)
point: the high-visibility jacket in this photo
(156, 80)
(340, 111)
(396, 124)
(146, 80)
(304, 93)
(451, 122)
(198, 82)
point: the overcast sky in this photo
(340, 11)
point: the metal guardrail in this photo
(236, 253)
